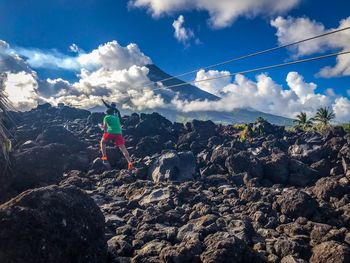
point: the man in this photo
(113, 132)
(113, 107)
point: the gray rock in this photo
(330, 251)
(173, 166)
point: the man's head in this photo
(113, 105)
(109, 112)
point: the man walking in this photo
(113, 132)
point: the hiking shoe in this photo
(130, 166)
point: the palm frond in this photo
(4, 113)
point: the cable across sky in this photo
(259, 69)
(249, 55)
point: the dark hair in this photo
(110, 111)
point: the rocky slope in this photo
(197, 193)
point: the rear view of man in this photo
(113, 132)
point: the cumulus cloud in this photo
(293, 29)
(113, 56)
(110, 55)
(110, 71)
(216, 86)
(265, 95)
(10, 61)
(181, 33)
(341, 109)
(222, 13)
(21, 89)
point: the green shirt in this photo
(113, 124)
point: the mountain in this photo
(185, 92)
(190, 93)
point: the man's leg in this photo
(125, 153)
(103, 148)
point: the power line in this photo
(259, 69)
(250, 55)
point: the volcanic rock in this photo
(174, 166)
(51, 224)
(330, 251)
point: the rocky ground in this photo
(197, 193)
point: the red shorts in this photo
(117, 138)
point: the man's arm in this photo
(106, 104)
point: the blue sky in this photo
(52, 26)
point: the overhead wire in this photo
(249, 55)
(258, 69)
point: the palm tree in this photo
(4, 141)
(324, 116)
(302, 121)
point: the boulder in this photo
(51, 224)
(152, 124)
(276, 168)
(39, 166)
(223, 247)
(70, 113)
(96, 118)
(330, 251)
(6, 178)
(58, 134)
(295, 203)
(328, 187)
(323, 167)
(242, 162)
(173, 166)
(266, 128)
(187, 251)
(300, 173)
(219, 155)
(205, 129)
(346, 166)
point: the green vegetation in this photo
(346, 127)
(260, 119)
(324, 116)
(321, 122)
(303, 122)
(240, 126)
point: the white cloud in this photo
(181, 33)
(265, 95)
(302, 89)
(21, 89)
(4, 44)
(114, 57)
(112, 72)
(222, 13)
(74, 48)
(330, 92)
(49, 59)
(341, 109)
(110, 55)
(293, 29)
(216, 86)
